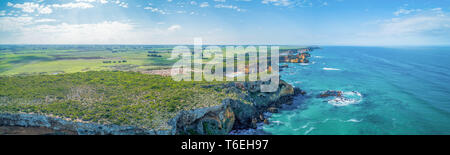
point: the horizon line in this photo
(223, 45)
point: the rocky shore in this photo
(221, 119)
(62, 126)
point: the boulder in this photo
(284, 66)
(266, 121)
(329, 93)
(273, 110)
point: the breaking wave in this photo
(309, 130)
(353, 120)
(347, 98)
(331, 69)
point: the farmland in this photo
(56, 59)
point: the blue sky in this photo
(287, 22)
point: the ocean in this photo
(387, 90)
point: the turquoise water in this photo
(403, 90)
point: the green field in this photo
(57, 59)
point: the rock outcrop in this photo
(59, 124)
(210, 120)
(329, 93)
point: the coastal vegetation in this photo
(108, 97)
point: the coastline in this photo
(231, 115)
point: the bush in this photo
(122, 98)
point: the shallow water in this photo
(403, 90)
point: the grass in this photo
(50, 59)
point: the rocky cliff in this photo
(79, 128)
(234, 114)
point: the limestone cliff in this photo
(233, 114)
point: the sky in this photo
(237, 22)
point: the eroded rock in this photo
(215, 120)
(329, 93)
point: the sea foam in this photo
(353, 120)
(330, 69)
(348, 98)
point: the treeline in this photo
(154, 55)
(112, 61)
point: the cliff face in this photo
(210, 120)
(233, 114)
(216, 120)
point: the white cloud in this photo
(122, 4)
(277, 2)
(45, 10)
(229, 7)
(420, 27)
(30, 7)
(44, 20)
(155, 10)
(405, 11)
(436, 9)
(204, 4)
(415, 25)
(421, 22)
(14, 23)
(294, 3)
(27, 7)
(17, 24)
(22, 31)
(91, 1)
(80, 5)
(174, 28)
(103, 32)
